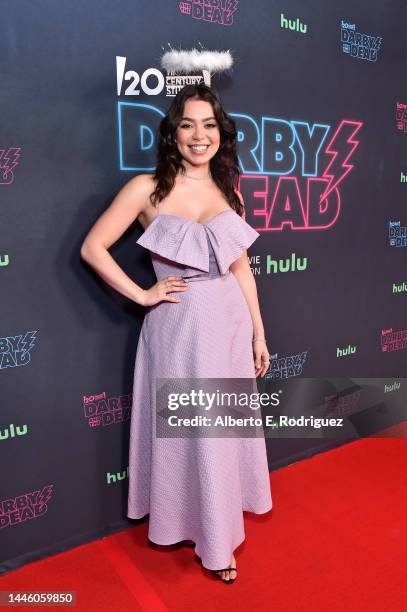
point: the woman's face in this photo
(198, 134)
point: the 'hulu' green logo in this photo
(285, 265)
(12, 431)
(343, 352)
(403, 178)
(400, 288)
(290, 24)
(4, 260)
(118, 476)
(394, 387)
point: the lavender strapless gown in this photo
(196, 488)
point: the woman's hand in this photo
(262, 357)
(158, 292)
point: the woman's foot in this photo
(229, 575)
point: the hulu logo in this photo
(118, 476)
(400, 288)
(286, 265)
(290, 24)
(12, 431)
(393, 387)
(403, 178)
(4, 260)
(344, 352)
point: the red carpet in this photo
(335, 540)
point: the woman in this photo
(203, 320)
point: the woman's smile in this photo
(199, 149)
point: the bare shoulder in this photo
(129, 204)
(135, 194)
(140, 185)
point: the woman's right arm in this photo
(111, 225)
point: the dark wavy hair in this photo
(223, 165)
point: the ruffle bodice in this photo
(192, 249)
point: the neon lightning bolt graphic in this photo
(338, 170)
(231, 6)
(8, 160)
(27, 342)
(45, 494)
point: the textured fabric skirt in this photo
(195, 488)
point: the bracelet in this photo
(259, 339)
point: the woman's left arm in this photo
(244, 276)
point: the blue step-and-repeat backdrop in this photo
(319, 96)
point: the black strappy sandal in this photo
(226, 569)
